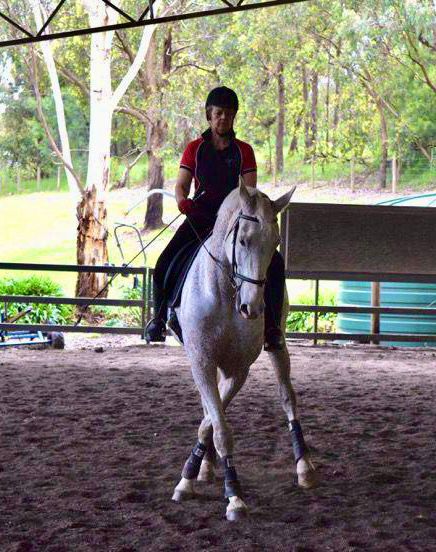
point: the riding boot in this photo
(274, 295)
(155, 331)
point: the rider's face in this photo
(221, 120)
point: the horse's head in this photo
(250, 244)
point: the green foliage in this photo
(132, 315)
(347, 64)
(304, 321)
(41, 313)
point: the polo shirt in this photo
(216, 172)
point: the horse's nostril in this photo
(244, 309)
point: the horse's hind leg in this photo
(305, 470)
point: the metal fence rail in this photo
(144, 303)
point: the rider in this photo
(216, 160)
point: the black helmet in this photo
(222, 97)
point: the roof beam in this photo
(131, 23)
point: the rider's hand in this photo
(186, 206)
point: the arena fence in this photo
(144, 303)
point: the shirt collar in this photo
(207, 135)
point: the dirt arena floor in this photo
(93, 438)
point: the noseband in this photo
(235, 274)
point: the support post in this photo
(58, 184)
(315, 318)
(38, 178)
(144, 302)
(375, 317)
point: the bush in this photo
(132, 315)
(122, 316)
(41, 313)
(304, 321)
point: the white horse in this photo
(221, 316)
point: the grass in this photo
(41, 228)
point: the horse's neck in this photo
(217, 268)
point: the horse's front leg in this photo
(228, 389)
(305, 470)
(215, 401)
(205, 435)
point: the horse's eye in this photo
(242, 242)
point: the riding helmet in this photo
(222, 97)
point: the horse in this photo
(222, 322)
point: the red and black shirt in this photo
(216, 172)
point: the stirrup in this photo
(174, 327)
(155, 331)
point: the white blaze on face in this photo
(254, 247)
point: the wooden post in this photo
(375, 317)
(38, 178)
(394, 174)
(58, 185)
(315, 321)
(352, 174)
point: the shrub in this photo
(41, 313)
(304, 321)
(132, 315)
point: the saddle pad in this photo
(178, 270)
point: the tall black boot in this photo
(274, 295)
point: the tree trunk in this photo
(327, 106)
(314, 110)
(307, 135)
(153, 216)
(156, 131)
(384, 145)
(280, 118)
(294, 142)
(91, 211)
(91, 243)
(47, 52)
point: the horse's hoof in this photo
(308, 480)
(181, 496)
(236, 515)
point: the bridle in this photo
(235, 274)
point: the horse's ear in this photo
(248, 202)
(282, 202)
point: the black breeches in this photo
(274, 287)
(183, 235)
(274, 292)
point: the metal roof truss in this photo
(147, 17)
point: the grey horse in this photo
(221, 316)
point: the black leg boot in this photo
(274, 295)
(155, 331)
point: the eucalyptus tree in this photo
(89, 197)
